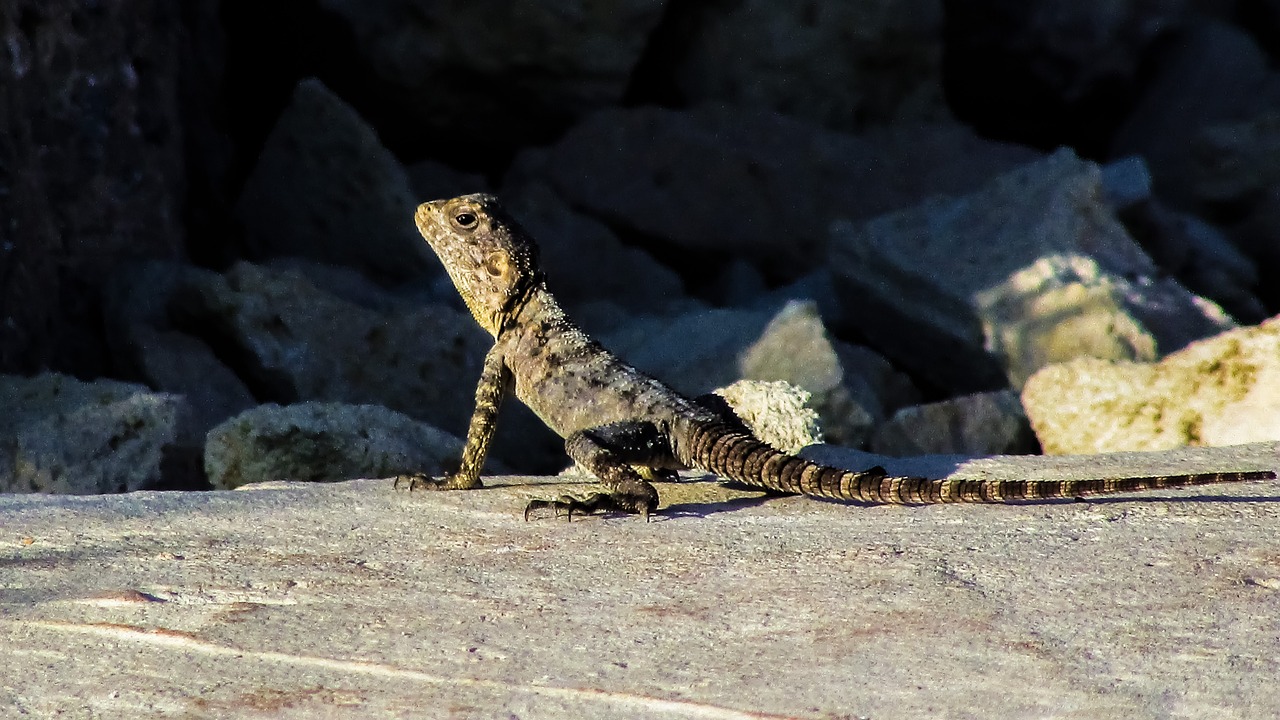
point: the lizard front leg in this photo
(612, 453)
(495, 383)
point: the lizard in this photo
(626, 427)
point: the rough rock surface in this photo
(297, 342)
(777, 412)
(62, 435)
(977, 292)
(347, 600)
(1201, 256)
(324, 442)
(839, 64)
(991, 423)
(1221, 391)
(326, 189)
(750, 182)
(796, 347)
(146, 345)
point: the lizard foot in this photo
(596, 502)
(422, 481)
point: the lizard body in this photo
(623, 425)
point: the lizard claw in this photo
(410, 481)
(596, 502)
(422, 481)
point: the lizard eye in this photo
(466, 219)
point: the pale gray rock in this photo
(1223, 390)
(839, 64)
(347, 600)
(751, 183)
(324, 442)
(777, 412)
(62, 435)
(977, 292)
(325, 188)
(992, 423)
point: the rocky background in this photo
(989, 226)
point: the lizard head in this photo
(493, 263)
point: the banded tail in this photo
(739, 456)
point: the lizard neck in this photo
(528, 300)
(538, 306)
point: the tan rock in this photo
(1223, 390)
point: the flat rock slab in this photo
(350, 600)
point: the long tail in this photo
(739, 456)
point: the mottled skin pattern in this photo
(625, 426)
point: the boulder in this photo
(325, 188)
(977, 292)
(992, 423)
(796, 347)
(747, 182)
(324, 442)
(1055, 71)
(839, 64)
(293, 342)
(1210, 73)
(93, 164)
(586, 262)
(777, 412)
(1220, 391)
(62, 435)
(146, 345)
(477, 75)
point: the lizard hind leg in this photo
(612, 453)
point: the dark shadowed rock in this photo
(146, 345)
(750, 182)
(1210, 73)
(91, 166)
(491, 74)
(839, 64)
(585, 261)
(326, 189)
(991, 423)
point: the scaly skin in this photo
(623, 425)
